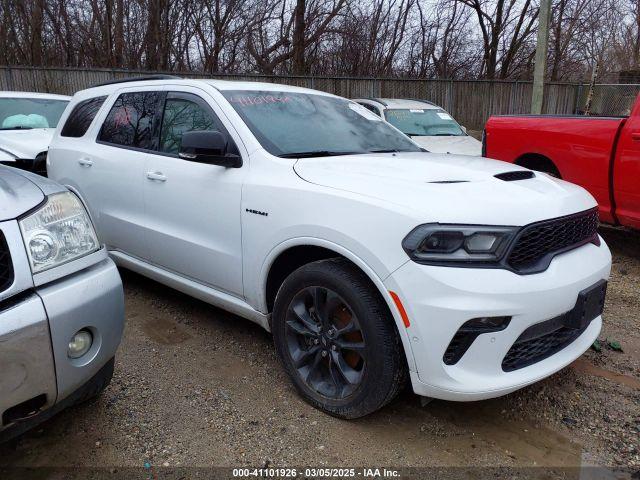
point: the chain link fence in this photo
(471, 102)
(609, 100)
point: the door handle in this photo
(635, 136)
(156, 176)
(85, 162)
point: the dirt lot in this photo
(197, 386)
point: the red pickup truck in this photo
(602, 154)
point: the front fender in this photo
(377, 280)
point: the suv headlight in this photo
(438, 244)
(58, 232)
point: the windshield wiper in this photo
(19, 127)
(315, 153)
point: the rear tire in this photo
(337, 340)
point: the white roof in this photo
(217, 84)
(401, 103)
(44, 96)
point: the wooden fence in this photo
(470, 101)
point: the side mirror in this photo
(464, 129)
(209, 146)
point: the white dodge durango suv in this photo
(370, 260)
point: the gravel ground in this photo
(196, 386)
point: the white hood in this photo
(449, 188)
(458, 145)
(24, 144)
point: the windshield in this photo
(26, 113)
(290, 124)
(428, 122)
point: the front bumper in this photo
(35, 329)
(439, 300)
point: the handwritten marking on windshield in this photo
(259, 100)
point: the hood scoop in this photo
(515, 175)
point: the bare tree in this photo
(434, 38)
(442, 44)
(506, 26)
(626, 51)
(270, 42)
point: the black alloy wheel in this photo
(325, 342)
(337, 340)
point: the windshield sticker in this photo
(444, 116)
(364, 112)
(416, 111)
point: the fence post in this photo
(10, 79)
(578, 98)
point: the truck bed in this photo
(580, 147)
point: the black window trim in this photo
(159, 117)
(104, 99)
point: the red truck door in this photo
(626, 171)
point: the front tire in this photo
(337, 340)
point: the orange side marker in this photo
(403, 312)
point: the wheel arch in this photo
(539, 162)
(306, 250)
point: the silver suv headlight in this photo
(58, 232)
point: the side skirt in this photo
(190, 287)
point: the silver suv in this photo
(61, 303)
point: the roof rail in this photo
(137, 79)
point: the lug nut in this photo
(316, 341)
(324, 353)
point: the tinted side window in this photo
(184, 113)
(81, 117)
(130, 120)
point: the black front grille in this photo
(523, 354)
(544, 339)
(6, 266)
(538, 243)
